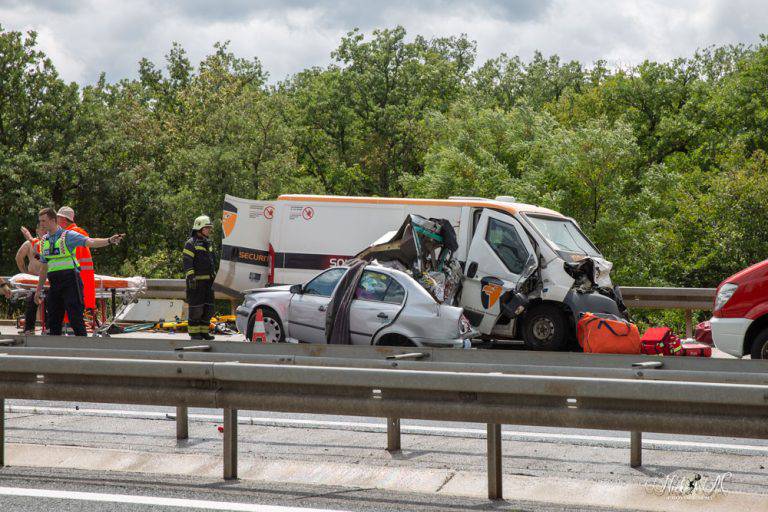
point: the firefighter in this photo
(200, 270)
(61, 268)
(66, 219)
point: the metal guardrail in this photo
(634, 296)
(693, 396)
(687, 299)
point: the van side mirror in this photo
(297, 289)
(472, 269)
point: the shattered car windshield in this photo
(564, 235)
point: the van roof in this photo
(511, 208)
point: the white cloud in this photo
(85, 38)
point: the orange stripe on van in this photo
(487, 203)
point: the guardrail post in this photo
(494, 462)
(635, 449)
(182, 422)
(688, 323)
(2, 432)
(393, 434)
(230, 444)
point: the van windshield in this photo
(564, 235)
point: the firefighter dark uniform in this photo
(66, 288)
(200, 271)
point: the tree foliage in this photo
(663, 164)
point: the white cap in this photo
(67, 213)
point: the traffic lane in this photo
(294, 498)
(355, 459)
(453, 429)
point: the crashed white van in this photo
(527, 272)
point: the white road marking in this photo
(151, 500)
(381, 427)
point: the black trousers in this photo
(30, 312)
(201, 302)
(65, 295)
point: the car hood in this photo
(271, 289)
(754, 271)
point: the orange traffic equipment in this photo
(259, 334)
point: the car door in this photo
(306, 312)
(502, 254)
(378, 300)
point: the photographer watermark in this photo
(688, 486)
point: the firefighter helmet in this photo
(201, 222)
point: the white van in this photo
(505, 249)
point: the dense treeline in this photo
(664, 164)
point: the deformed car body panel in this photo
(425, 248)
(419, 318)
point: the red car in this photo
(740, 313)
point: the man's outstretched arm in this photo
(96, 243)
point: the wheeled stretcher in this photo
(122, 290)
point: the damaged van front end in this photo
(528, 275)
(573, 271)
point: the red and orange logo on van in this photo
(228, 218)
(491, 289)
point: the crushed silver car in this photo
(385, 307)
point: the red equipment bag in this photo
(661, 340)
(697, 350)
(607, 334)
(703, 333)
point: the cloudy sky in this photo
(85, 37)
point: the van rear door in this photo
(503, 254)
(244, 249)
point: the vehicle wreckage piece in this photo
(589, 292)
(424, 248)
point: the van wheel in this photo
(545, 328)
(760, 346)
(272, 326)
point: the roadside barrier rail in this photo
(691, 396)
(687, 299)
(635, 297)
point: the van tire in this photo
(270, 317)
(545, 327)
(760, 346)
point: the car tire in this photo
(272, 325)
(545, 327)
(760, 345)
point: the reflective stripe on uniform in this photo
(64, 260)
(202, 278)
(201, 248)
(190, 271)
(188, 252)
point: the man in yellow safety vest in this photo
(60, 267)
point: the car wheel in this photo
(760, 346)
(545, 328)
(272, 326)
